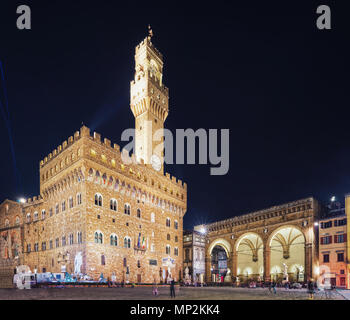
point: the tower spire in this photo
(150, 33)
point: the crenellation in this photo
(107, 142)
(97, 137)
(76, 135)
(64, 144)
(70, 140)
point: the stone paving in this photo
(145, 293)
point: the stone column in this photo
(267, 258)
(208, 268)
(234, 264)
(308, 262)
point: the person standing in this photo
(274, 287)
(172, 288)
(311, 289)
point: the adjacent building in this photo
(333, 248)
(194, 255)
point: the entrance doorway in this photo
(218, 264)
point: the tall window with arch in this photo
(113, 205)
(98, 237)
(127, 209)
(79, 199)
(176, 224)
(114, 240)
(28, 218)
(80, 237)
(18, 221)
(36, 216)
(98, 200)
(167, 249)
(167, 223)
(43, 214)
(139, 213)
(70, 202)
(127, 242)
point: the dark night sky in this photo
(260, 68)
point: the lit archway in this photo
(250, 261)
(219, 252)
(287, 254)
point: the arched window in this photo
(80, 237)
(71, 239)
(97, 178)
(139, 213)
(153, 217)
(168, 236)
(18, 221)
(79, 199)
(98, 237)
(103, 260)
(127, 242)
(176, 224)
(114, 240)
(167, 249)
(104, 179)
(176, 239)
(7, 222)
(98, 200)
(167, 223)
(63, 205)
(127, 209)
(28, 218)
(57, 208)
(43, 214)
(36, 216)
(70, 202)
(113, 205)
(176, 251)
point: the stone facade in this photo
(284, 234)
(194, 254)
(124, 217)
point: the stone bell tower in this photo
(149, 102)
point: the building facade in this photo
(99, 210)
(277, 243)
(194, 255)
(332, 248)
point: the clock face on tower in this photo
(156, 163)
